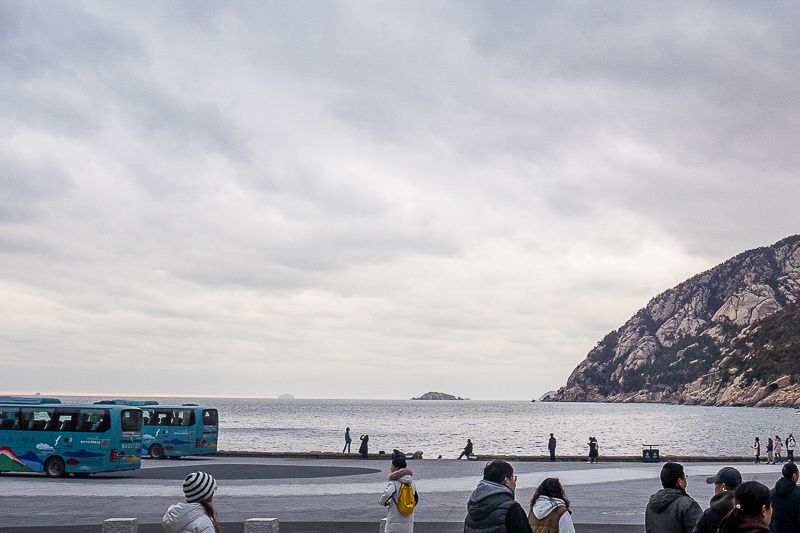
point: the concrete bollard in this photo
(261, 525)
(121, 525)
(383, 526)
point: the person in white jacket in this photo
(395, 521)
(197, 515)
(550, 508)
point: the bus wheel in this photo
(54, 467)
(156, 451)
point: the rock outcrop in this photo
(438, 396)
(728, 336)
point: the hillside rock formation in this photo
(712, 340)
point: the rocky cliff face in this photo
(699, 343)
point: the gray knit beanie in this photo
(198, 486)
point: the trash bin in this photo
(650, 455)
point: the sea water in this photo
(495, 427)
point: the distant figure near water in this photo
(467, 450)
(593, 450)
(790, 444)
(551, 445)
(364, 448)
(757, 451)
(347, 441)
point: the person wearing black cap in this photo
(726, 480)
(197, 515)
(786, 501)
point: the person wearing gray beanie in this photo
(197, 515)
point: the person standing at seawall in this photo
(397, 522)
(491, 507)
(671, 510)
(778, 449)
(770, 452)
(551, 445)
(786, 501)
(790, 444)
(347, 441)
(725, 482)
(757, 451)
(364, 448)
(467, 450)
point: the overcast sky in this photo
(373, 199)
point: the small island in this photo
(286, 397)
(439, 396)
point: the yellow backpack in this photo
(405, 499)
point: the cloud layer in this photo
(366, 200)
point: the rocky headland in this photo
(727, 336)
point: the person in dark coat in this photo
(593, 450)
(551, 446)
(751, 512)
(725, 482)
(671, 510)
(786, 501)
(467, 450)
(364, 448)
(492, 507)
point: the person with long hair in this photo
(197, 515)
(752, 510)
(549, 511)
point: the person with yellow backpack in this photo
(401, 498)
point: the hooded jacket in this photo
(750, 524)
(786, 507)
(546, 506)
(395, 521)
(187, 518)
(721, 504)
(671, 510)
(492, 509)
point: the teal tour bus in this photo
(175, 430)
(40, 434)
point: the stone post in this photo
(383, 525)
(121, 525)
(261, 525)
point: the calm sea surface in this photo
(442, 427)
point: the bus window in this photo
(131, 421)
(149, 417)
(183, 417)
(35, 418)
(94, 420)
(162, 417)
(63, 419)
(8, 418)
(210, 417)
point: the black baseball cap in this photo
(728, 475)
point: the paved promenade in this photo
(335, 495)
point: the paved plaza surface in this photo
(335, 495)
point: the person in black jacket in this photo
(725, 482)
(786, 501)
(492, 507)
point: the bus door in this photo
(208, 443)
(183, 431)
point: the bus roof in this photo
(135, 403)
(28, 400)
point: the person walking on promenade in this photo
(790, 444)
(551, 445)
(398, 521)
(549, 512)
(757, 448)
(778, 449)
(364, 448)
(671, 510)
(467, 450)
(491, 506)
(770, 451)
(347, 441)
(593, 450)
(751, 512)
(725, 482)
(786, 501)
(197, 515)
